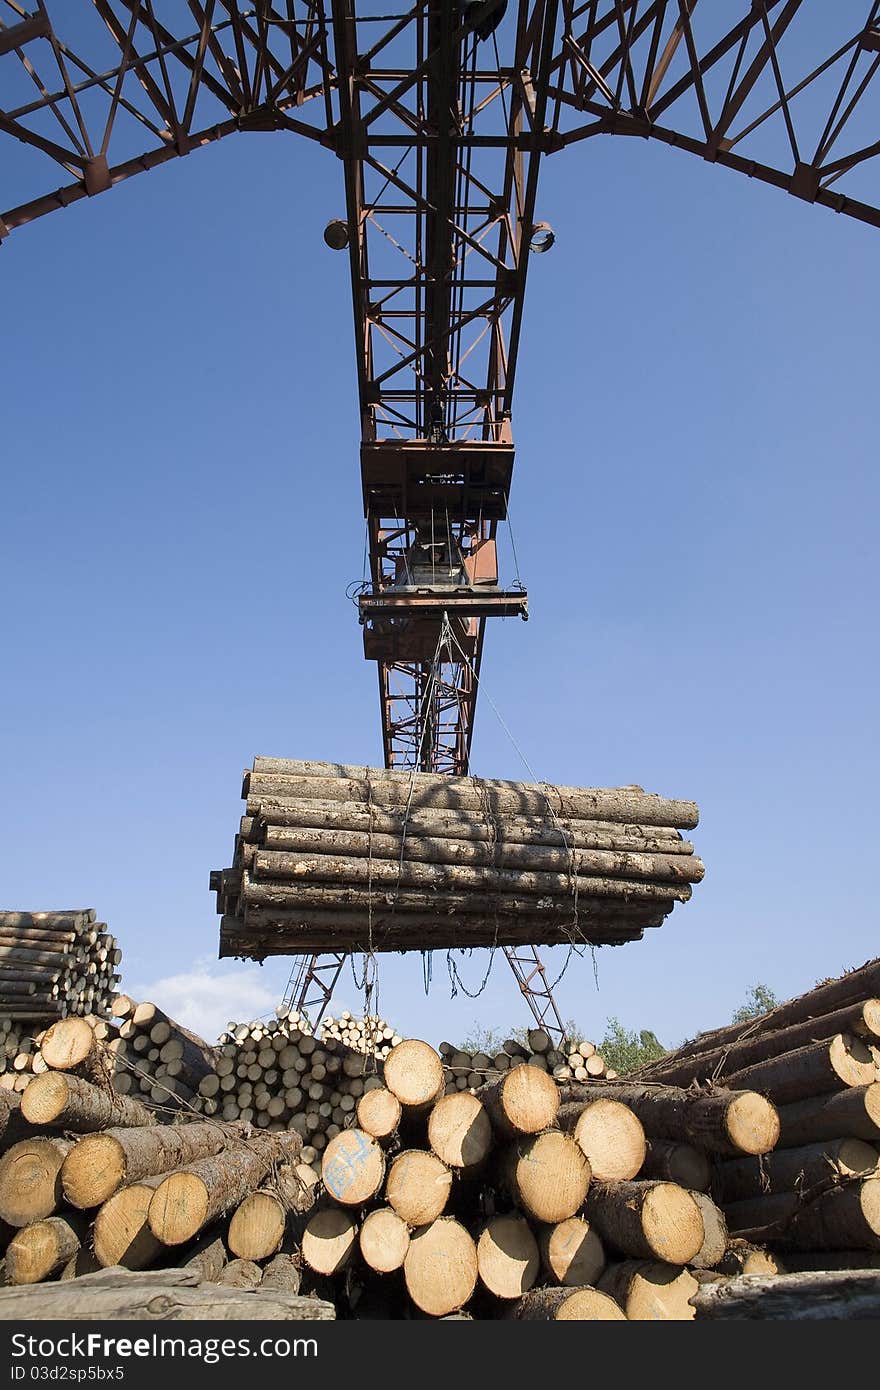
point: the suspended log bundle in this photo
(53, 964)
(333, 857)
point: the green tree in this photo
(625, 1050)
(759, 1001)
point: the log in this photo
(30, 1180)
(68, 1043)
(241, 1274)
(257, 1226)
(65, 920)
(508, 1260)
(275, 878)
(680, 1163)
(57, 1098)
(789, 1170)
(547, 1175)
(801, 1262)
(609, 1134)
(650, 1292)
(207, 1257)
(524, 1101)
(179, 1295)
(715, 1235)
(828, 1065)
(861, 1019)
(188, 1199)
(572, 1252)
(318, 843)
(40, 1250)
(459, 1130)
(723, 1121)
(353, 1167)
(567, 1305)
(283, 1274)
(379, 1112)
(826, 998)
(418, 1187)
(121, 1234)
(102, 1163)
(854, 1112)
(490, 797)
(650, 1220)
(329, 1240)
(413, 1073)
(384, 1240)
(845, 1217)
(741, 1257)
(792, 1297)
(440, 1268)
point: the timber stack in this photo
(275, 1075)
(527, 1197)
(816, 1198)
(155, 1058)
(369, 1034)
(466, 1070)
(333, 857)
(53, 964)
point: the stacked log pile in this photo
(53, 964)
(816, 1198)
(334, 857)
(369, 1034)
(154, 1058)
(523, 1198)
(466, 1070)
(275, 1075)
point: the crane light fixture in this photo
(542, 238)
(336, 234)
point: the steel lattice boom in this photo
(440, 114)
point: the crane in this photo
(440, 114)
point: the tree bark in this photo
(650, 1220)
(681, 1163)
(102, 1163)
(854, 1111)
(823, 1066)
(292, 780)
(793, 1170)
(188, 1199)
(721, 1121)
(861, 1019)
(180, 1295)
(70, 1103)
(567, 1305)
(793, 1297)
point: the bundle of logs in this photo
(332, 857)
(55, 963)
(465, 1070)
(275, 1075)
(529, 1197)
(369, 1034)
(816, 1198)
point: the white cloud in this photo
(207, 997)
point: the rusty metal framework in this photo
(440, 112)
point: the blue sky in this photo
(695, 513)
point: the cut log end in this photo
(572, 1252)
(548, 1175)
(413, 1071)
(418, 1187)
(67, 1044)
(329, 1240)
(459, 1130)
(569, 1305)
(93, 1171)
(353, 1167)
(384, 1240)
(752, 1123)
(651, 1292)
(612, 1138)
(257, 1227)
(507, 1257)
(121, 1234)
(441, 1268)
(379, 1112)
